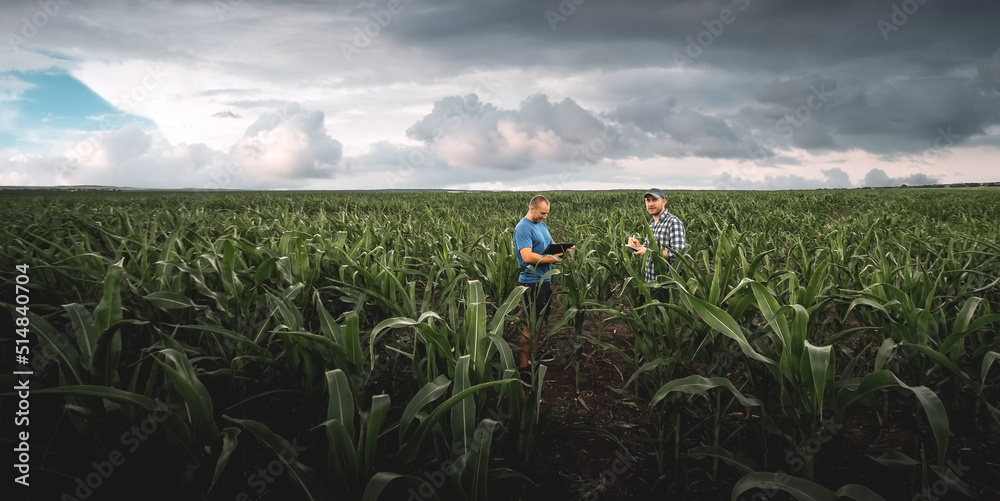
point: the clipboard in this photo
(556, 248)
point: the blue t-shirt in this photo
(536, 236)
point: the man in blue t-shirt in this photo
(531, 237)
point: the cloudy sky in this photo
(494, 94)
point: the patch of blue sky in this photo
(57, 103)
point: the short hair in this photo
(538, 200)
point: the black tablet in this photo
(555, 248)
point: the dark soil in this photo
(572, 461)
(571, 457)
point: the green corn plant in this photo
(693, 385)
(719, 321)
(801, 488)
(582, 276)
(858, 390)
(443, 346)
(265, 293)
(352, 449)
(304, 477)
(95, 358)
(492, 263)
(804, 372)
(411, 443)
(929, 348)
(345, 353)
(994, 414)
(523, 409)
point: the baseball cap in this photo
(656, 192)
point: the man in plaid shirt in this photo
(666, 227)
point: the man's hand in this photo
(634, 242)
(560, 255)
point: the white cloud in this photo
(279, 150)
(470, 134)
(14, 178)
(12, 88)
(288, 145)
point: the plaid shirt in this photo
(669, 231)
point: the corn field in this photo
(341, 346)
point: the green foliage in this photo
(278, 316)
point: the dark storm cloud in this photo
(566, 117)
(794, 92)
(883, 117)
(678, 132)
(603, 79)
(467, 133)
(877, 178)
(785, 34)
(989, 72)
(832, 178)
(840, 78)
